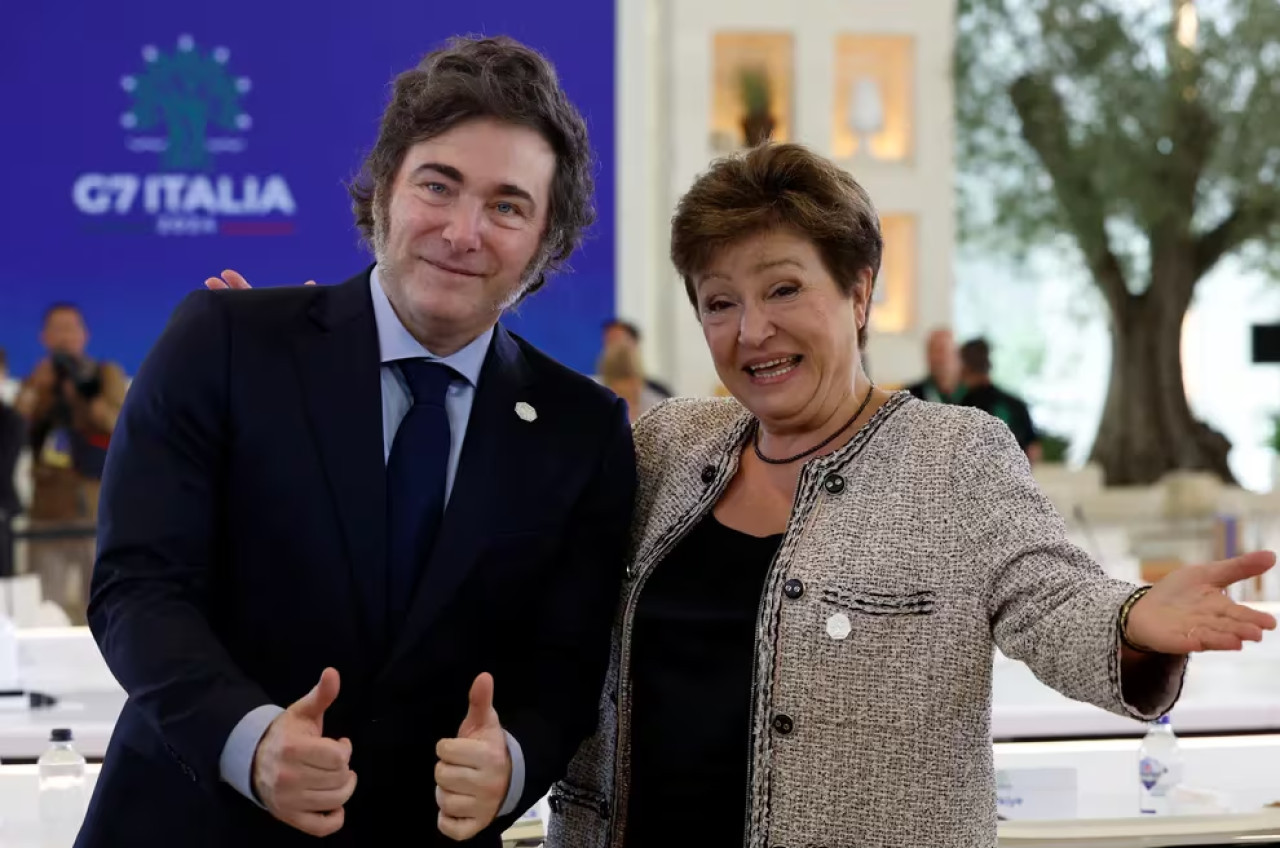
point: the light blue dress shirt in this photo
(394, 342)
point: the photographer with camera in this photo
(70, 402)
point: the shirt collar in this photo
(396, 342)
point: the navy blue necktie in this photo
(416, 473)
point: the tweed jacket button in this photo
(783, 724)
(708, 474)
(834, 484)
(793, 589)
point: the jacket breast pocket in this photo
(878, 602)
(877, 647)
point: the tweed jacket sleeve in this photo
(1050, 605)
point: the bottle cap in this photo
(60, 734)
(1164, 720)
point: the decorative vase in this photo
(866, 113)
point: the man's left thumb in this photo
(480, 712)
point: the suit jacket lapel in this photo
(492, 450)
(339, 364)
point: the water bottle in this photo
(1159, 768)
(62, 792)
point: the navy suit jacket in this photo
(242, 549)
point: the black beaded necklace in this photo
(755, 442)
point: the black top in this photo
(693, 652)
(1008, 408)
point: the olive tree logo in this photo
(188, 93)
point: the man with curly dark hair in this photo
(376, 485)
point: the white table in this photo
(91, 716)
(1245, 770)
(1223, 693)
(66, 663)
(1254, 829)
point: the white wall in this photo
(1225, 388)
(664, 95)
(640, 211)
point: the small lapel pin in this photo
(839, 626)
(526, 412)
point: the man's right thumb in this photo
(313, 704)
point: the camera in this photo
(64, 364)
(69, 367)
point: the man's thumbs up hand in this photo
(311, 706)
(301, 777)
(474, 772)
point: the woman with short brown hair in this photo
(822, 569)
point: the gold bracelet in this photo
(1122, 624)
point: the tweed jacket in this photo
(910, 554)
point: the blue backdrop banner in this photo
(161, 142)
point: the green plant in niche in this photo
(753, 82)
(758, 122)
(1274, 441)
